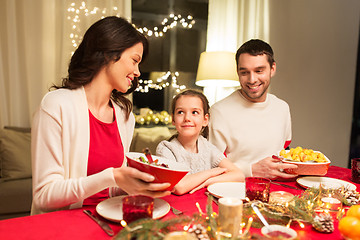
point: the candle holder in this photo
(136, 207)
(178, 235)
(257, 188)
(355, 170)
(280, 198)
(329, 203)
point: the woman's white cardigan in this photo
(60, 148)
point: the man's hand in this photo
(272, 168)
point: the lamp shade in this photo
(217, 69)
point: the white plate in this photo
(227, 189)
(111, 208)
(326, 182)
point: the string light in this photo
(167, 24)
(77, 13)
(160, 83)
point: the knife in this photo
(284, 185)
(101, 223)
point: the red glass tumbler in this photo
(355, 170)
(257, 188)
(136, 207)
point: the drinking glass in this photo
(355, 170)
(230, 216)
(257, 188)
(136, 207)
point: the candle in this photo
(230, 216)
(280, 197)
(331, 203)
(179, 236)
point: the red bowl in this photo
(172, 175)
(308, 168)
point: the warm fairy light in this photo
(77, 13)
(186, 228)
(248, 225)
(123, 223)
(168, 23)
(289, 223)
(160, 83)
(242, 225)
(302, 225)
(199, 208)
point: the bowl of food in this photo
(278, 232)
(309, 162)
(164, 170)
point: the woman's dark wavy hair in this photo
(103, 43)
(205, 103)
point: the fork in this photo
(215, 200)
(176, 211)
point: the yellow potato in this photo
(300, 154)
(282, 152)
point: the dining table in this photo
(74, 224)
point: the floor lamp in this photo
(217, 74)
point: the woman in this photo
(83, 129)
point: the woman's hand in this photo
(272, 168)
(132, 181)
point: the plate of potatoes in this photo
(309, 161)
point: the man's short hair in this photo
(256, 47)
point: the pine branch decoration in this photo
(144, 229)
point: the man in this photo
(251, 125)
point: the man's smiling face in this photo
(255, 73)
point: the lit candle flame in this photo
(198, 207)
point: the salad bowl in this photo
(164, 170)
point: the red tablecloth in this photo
(74, 224)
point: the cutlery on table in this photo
(104, 226)
(284, 185)
(176, 211)
(214, 198)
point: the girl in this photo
(190, 114)
(82, 130)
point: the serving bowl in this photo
(278, 231)
(309, 167)
(173, 174)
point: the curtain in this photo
(230, 24)
(233, 22)
(36, 41)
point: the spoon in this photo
(271, 228)
(261, 217)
